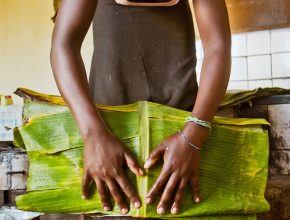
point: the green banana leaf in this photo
(233, 169)
(233, 98)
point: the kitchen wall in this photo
(25, 33)
(260, 59)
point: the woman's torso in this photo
(143, 53)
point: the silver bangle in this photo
(186, 139)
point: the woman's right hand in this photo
(105, 160)
(105, 156)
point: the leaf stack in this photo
(233, 168)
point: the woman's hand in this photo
(181, 166)
(105, 158)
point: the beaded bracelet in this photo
(198, 121)
(186, 139)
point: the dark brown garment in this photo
(143, 53)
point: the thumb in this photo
(155, 155)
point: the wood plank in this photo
(4, 183)
(60, 217)
(246, 110)
(113, 218)
(13, 169)
(279, 117)
(226, 112)
(12, 196)
(253, 15)
(279, 162)
(278, 196)
(1, 198)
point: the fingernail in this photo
(137, 204)
(106, 208)
(197, 199)
(141, 172)
(147, 200)
(124, 211)
(146, 165)
(161, 210)
(174, 210)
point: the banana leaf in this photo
(233, 98)
(233, 169)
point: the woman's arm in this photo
(72, 23)
(182, 161)
(213, 24)
(104, 154)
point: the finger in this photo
(103, 193)
(85, 185)
(129, 190)
(178, 197)
(155, 155)
(158, 186)
(195, 189)
(117, 195)
(167, 195)
(133, 165)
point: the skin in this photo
(106, 157)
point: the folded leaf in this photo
(233, 169)
(233, 98)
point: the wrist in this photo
(198, 121)
(203, 115)
(195, 133)
(94, 129)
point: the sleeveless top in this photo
(143, 53)
(147, 2)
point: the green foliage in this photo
(233, 169)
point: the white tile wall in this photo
(280, 40)
(258, 43)
(238, 85)
(239, 68)
(259, 67)
(198, 69)
(254, 84)
(282, 83)
(239, 45)
(259, 59)
(199, 49)
(281, 64)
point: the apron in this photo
(143, 53)
(148, 2)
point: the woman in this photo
(143, 50)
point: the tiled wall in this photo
(259, 59)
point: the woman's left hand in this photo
(181, 166)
